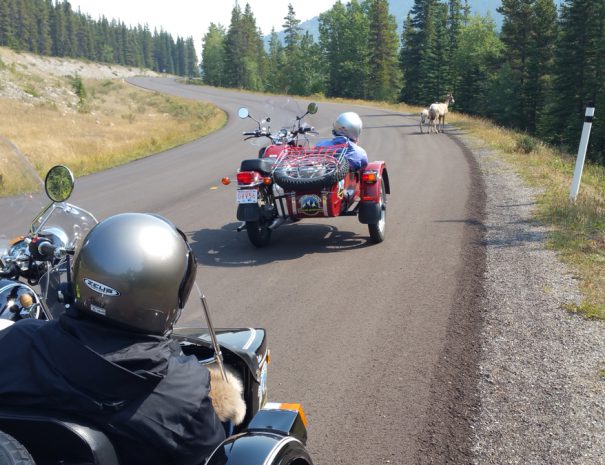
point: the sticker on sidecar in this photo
(247, 196)
(100, 288)
(309, 204)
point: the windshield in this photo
(282, 113)
(22, 194)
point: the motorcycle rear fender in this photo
(248, 212)
(276, 434)
(369, 206)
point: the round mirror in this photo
(312, 108)
(59, 183)
(243, 112)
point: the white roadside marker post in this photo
(575, 185)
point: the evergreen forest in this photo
(52, 27)
(537, 73)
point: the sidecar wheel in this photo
(378, 230)
(12, 451)
(258, 232)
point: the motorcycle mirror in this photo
(312, 108)
(243, 113)
(59, 183)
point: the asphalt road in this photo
(378, 342)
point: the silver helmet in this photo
(135, 270)
(348, 124)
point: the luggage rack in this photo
(300, 162)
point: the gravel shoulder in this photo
(541, 397)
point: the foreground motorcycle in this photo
(52, 238)
(292, 181)
(271, 433)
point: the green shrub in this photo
(526, 144)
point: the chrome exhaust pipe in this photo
(277, 222)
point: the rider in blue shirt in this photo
(347, 129)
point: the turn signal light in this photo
(369, 177)
(247, 177)
(267, 181)
(226, 181)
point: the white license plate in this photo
(247, 196)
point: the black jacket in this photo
(149, 398)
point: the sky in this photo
(191, 18)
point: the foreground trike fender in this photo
(276, 436)
(374, 177)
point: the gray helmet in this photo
(135, 270)
(348, 124)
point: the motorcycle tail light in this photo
(369, 177)
(248, 177)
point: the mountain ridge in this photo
(401, 8)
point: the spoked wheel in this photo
(258, 232)
(12, 451)
(312, 173)
(377, 231)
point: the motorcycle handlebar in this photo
(47, 249)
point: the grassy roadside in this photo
(106, 124)
(577, 229)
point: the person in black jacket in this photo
(110, 359)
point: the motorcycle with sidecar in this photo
(271, 433)
(291, 181)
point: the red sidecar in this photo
(292, 183)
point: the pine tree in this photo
(384, 74)
(528, 31)
(579, 72)
(418, 57)
(343, 35)
(476, 61)
(213, 55)
(193, 69)
(276, 81)
(234, 51)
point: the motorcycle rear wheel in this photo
(12, 452)
(377, 231)
(258, 232)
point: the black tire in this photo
(294, 455)
(293, 179)
(12, 451)
(258, 232)
(378, 230)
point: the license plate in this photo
(247, 196)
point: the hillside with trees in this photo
(48, 27)
(536, 73)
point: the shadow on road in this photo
(228, 248)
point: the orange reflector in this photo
(369, 177)
(268, 356)
(14, 240)
(296, 408)
(226, 181)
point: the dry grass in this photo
(114, 124)
(117, 124)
